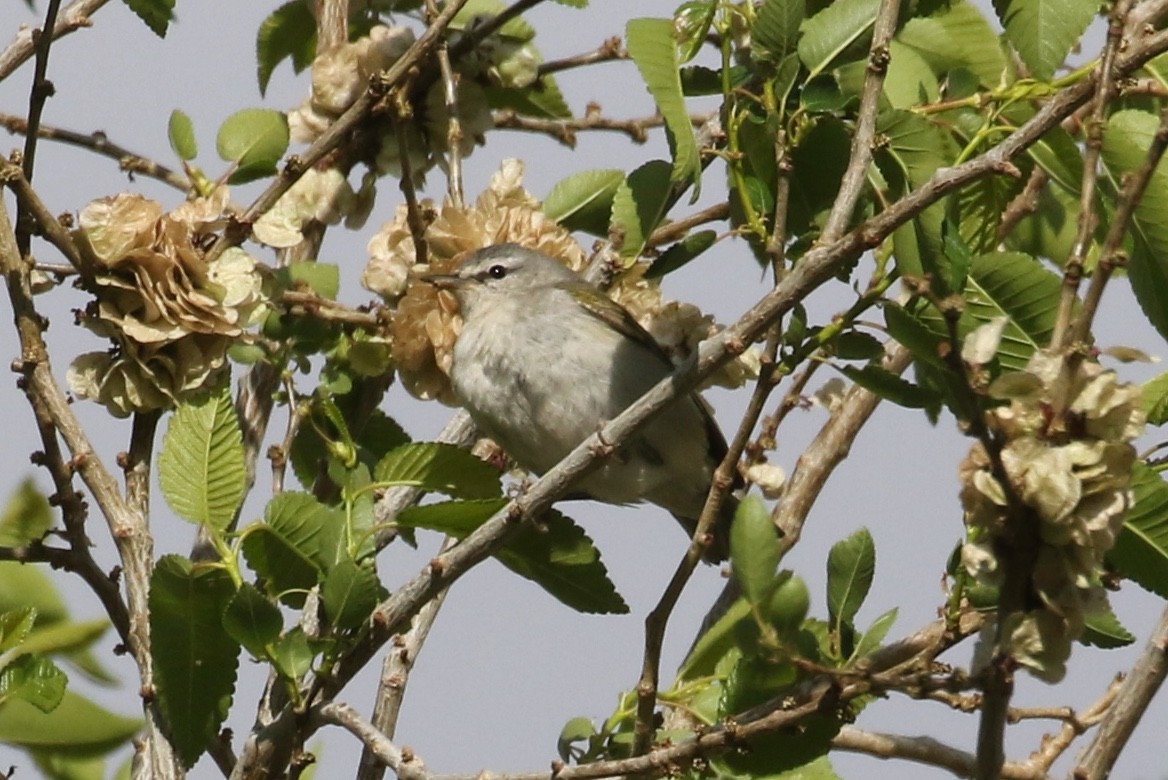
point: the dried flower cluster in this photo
(1066, 427)
(323, 196)
(426, 323)
(340, 76)
(170, 314)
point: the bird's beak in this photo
(443, 281)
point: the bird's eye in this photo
(497, 271)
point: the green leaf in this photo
(957, 37)
(252, 620)
(889, 386)
(558, 556)
(922, 341)
(1154, 399)
(1141, 549)
(23, 586)
(1125, 144)
(27, 516)
(651, 45)
(254, 139)
(181, 134)
(639, 205)
(76, 726)
(157, 14)
(851, 564)
(201, 468)
(349, 594)
(681, 253)
(324, 279)
(15, 627)
(583, 201)
(64, 637)
(916, 149)
(440, 467)
(194, 657)
(857, 345)
(34, 679)
(1104, 630)
(754, 549)
(453, 518)
(1044, 31)
(299, 538)
(543, 99)
(691, 25)
(875, 634)
(910, 80)
(294, 654)
(288, 32)
(776, 28)
(714, 645)
(830, 32)
(1011, 285)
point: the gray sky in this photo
(506, 665)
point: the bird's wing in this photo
(617, 317)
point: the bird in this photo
(544, 359)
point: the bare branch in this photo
(74, 17)
(99, 143)
(861, 154)
(1131, 702)
(924, 750)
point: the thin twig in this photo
(855, 177)
(39, 94)
(827, 450)
(612, 49)
(1093, 144)
(450, 81)
(1112, 254)
(565, 130)
(98, 142)
(127, 527)
(395, 675)
(678, 228)
(924, 750)
(74, 17)
(1054, 745)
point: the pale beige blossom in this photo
(1068, 472)
(169, 314)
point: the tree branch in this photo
(1131, 702)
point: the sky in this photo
(506, 666)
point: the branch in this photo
(924, 750)
(395, 674)
(612, 49)
(450, 81)
(38, 95)
(99, 143)
(564, 130)
(74, 17)
(1073, 270)
(856, 174)
(127, 527)
(829, 448)
(1131, 702)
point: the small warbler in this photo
(544, 358)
